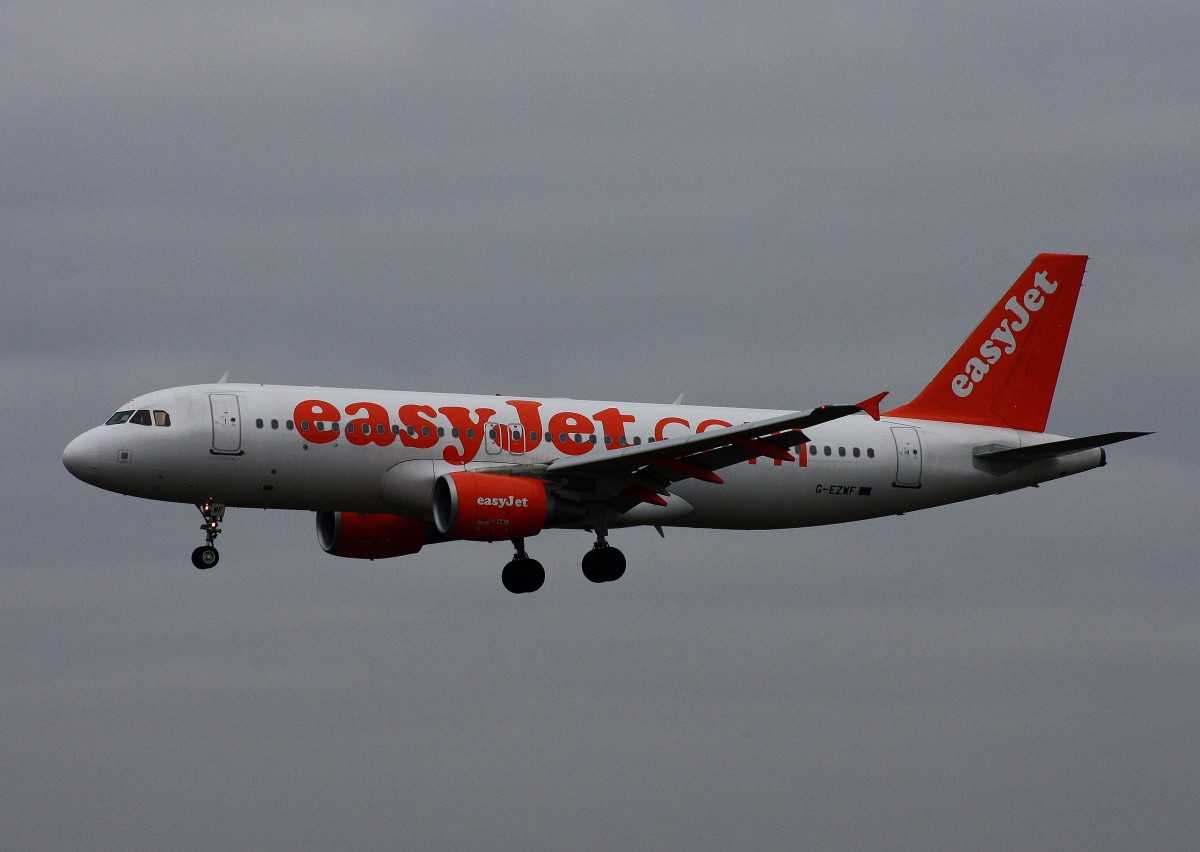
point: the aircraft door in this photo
(499, 438)
(226, 424)
(493, 439)
(908, 457)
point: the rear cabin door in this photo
(226, 424)
(908, 457)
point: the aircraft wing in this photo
(642, 474)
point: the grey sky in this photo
(773, 205)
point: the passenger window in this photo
(161, 418)
(290, 425)
(870, 453)
(380, 429)
(828, 451)
(349, 426)
(119, 417)
(141, 417)
(258, 423)
(856, 452)
(274, 424)
(842, 451)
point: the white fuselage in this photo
(331, 449)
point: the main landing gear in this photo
(523, 574)
(206, 555)
(602, 564)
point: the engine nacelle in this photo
(370, 536)
(489, 507)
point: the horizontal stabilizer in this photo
(1054, 449)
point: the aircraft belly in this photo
(763, 496)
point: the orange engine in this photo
(489, 507)
(357, 535)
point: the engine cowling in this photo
(489, 507)
(357, 535)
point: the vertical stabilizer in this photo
(1004, 374)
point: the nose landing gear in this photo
(206, 555)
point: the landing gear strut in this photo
(603, 563)
(206, 555)
(523, 574)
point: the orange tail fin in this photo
(1004, 374)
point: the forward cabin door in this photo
(908, 457)
(226, 424)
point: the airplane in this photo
(388, 472)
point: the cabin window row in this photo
(814, 451)
(563, 437)
(425, 432)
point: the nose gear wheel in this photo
(206, 556)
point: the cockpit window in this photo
(142, 417)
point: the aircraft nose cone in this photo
(82, 457)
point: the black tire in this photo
(614, 564)
(535, 575)
(593, 565)
(522, 576)
(603, 564)
(511, 577)
(205, 557)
